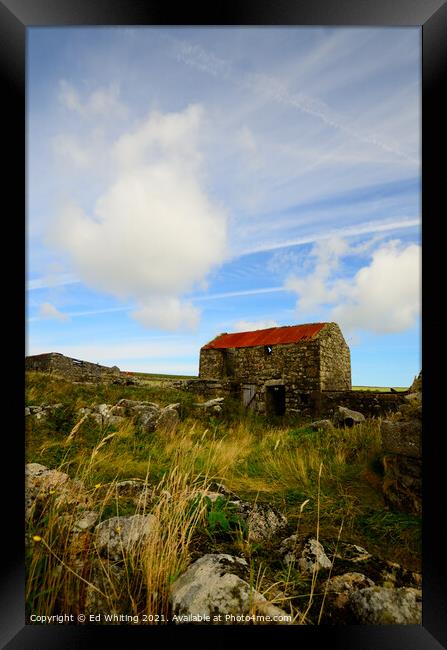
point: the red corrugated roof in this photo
(271, 336)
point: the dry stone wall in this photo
(335, 359)
(73, 369)
(370, 403)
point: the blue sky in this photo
(184, 182)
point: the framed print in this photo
(227, 431)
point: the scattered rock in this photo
(135, 489)
(353, 553)
(338, 592)
(168, 419)
(263, 521)
(42, 483)
(106, 591)
(215, 486)
(383, 606)
(147, 420)
(323, 425)
(308, 558)
(344, 417)
(402, 437)
(213, 586)
(212, 405)
(86, 521)
(313, 558)
(42, 411)
(117, 536)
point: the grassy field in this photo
(380, 389)
(330, 482)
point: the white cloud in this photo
(315, 289)
(347, 231)
(153, 233)
(382, 297)
(68, 147)
(49, 311)
(251, 326)
(102, 102)
(168, 314)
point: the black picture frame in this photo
(16, 16)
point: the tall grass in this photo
(281, 464)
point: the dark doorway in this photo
(275, 397)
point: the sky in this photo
(184, 182)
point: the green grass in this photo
(151, 375)
(252, 457)
(380, 389)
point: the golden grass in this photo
(323, 472)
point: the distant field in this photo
(380, 389)
(149, 375)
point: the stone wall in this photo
(370, 403)
(211, 364)
(73, 369)
(206, 387)
(335, 359)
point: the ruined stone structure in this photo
(279, 370)
(73, 369)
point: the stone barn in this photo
(277, 370)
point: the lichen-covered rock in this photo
(383, 606)
(42, 411)
(402, 483)
(213, 586)
(168, 419)
(118, 536)
(313, 558)
(215, 486)
(51, 488)
(106, 591)
(135, 489)
(212, 406)
(338, 592)
(402, 438)
(262, 521)
(86, 520)
(147, 420)
(345, 417)
(308, 558)
(321, 425)
(353, 558)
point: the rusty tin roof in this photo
(271, 336)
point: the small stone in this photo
(313, 558)
(263, 521)
(213, 586)
(324, 425)
(118, 536)
(86, 521)
(168, 420)
(347, 418)
(338, 591)
(383, 606)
